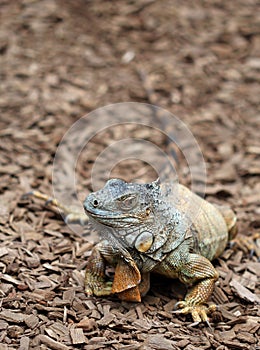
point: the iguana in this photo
(159, 228)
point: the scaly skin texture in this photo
(165, 229)
(161, 228)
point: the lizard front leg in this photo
(95, 281)
(127, 276)
(200, 273)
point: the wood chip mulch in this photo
(60, 60)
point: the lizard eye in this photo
(127, 203)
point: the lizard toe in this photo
(179, 305)
(98, 287)
(199, 313)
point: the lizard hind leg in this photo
(199, 272)
(70, 216)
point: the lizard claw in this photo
(179, 304)
(27, 195)
(194, 324)
(51, 201)
(198, 312)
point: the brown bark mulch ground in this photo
(60, 60)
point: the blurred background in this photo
(60, 60)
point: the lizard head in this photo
(120, 204)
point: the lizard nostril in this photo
(95, 203)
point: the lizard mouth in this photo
(113, 219)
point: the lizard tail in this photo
(231, 221)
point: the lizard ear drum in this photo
(144, 241)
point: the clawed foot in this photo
(198, 312)
(70, 216)
(97, 286)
